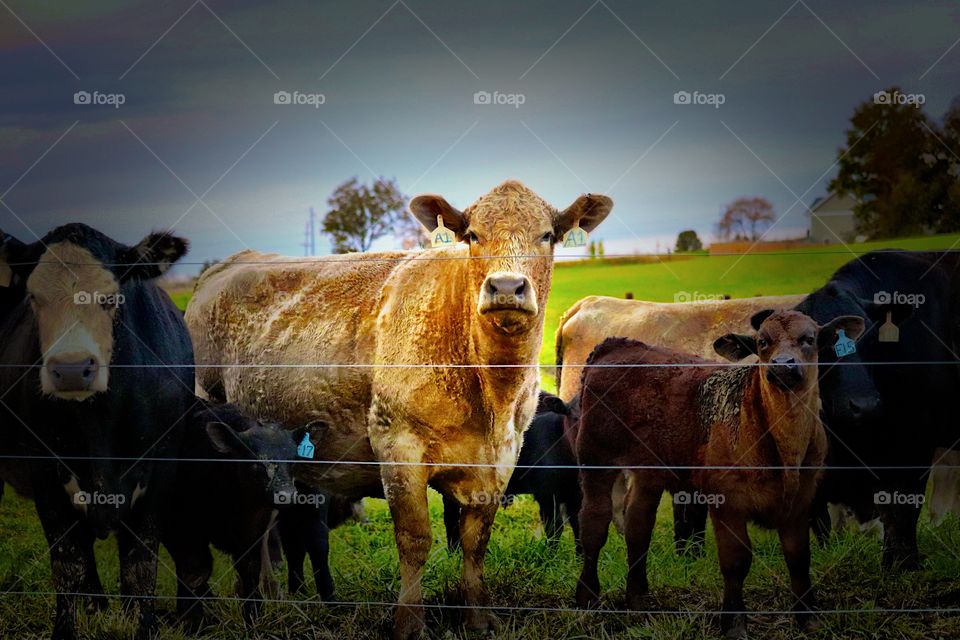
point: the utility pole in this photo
(310, 235)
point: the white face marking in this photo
(72, 487)
(138, 492)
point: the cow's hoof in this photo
(587, 598)
(481, 621)
(635, 598)
(97, 603)
(64, 633)
(734, 627)
(809, 623)
(408, 623)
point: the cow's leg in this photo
(248, 584)
(795, 543)
(476, 521)
(68, 546)
(820, 519)
(899, 516)
(689, 529)
(572, 503)
(451, 522)
(641, 514)
(550, 516)
(194, 566)
(91, 577)
(595, 515)
(138, 568)
(291, 523)
(405, 487)
(736, 555)
(318, 547)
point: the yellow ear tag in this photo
(6, 274)
(576, 237)
(441, 236)
(889, 332)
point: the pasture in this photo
(522, 571)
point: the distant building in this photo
(832, 219)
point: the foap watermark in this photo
(298, 98)
(97, 98)
(697, 296)
(485, 497)
(509, 99)
(897, 297)
(697, 498)
(887, 498)
(102, 299)
(696, 97)
(895, 97)
(295, 498)
(95, 498)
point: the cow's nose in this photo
(785, 371)
(512, 286)
(864, 407)
(73, 375)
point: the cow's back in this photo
(689, 327)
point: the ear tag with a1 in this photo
(576, 237)
(6, 274)
(441, 236)
(845, 346)
(889, 332)
(305, 448)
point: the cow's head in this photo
(850, 396)
(73, 281)
(270, 449)
(789, 344)
(511, 233)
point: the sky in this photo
(182, 128)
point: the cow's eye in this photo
(547, 237)
(762, 343)
(472, 237)
(807, 340)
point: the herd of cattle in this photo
(286, 383)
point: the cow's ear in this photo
(223, 438)
(553, 404)
(17, 259)
(151, 257)
(735, 347)
(315, 429)
(852, 326)
(588, 210)
(877, 311)
(757, 319)
(425, 208)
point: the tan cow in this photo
(690, 327)
(424, 357)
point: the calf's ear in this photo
(151, 257)
(735, 347)
(223, 438)
(314, 429)
(757, 319)
(588, 210)
(425, 208)
(852, 326)
(17, 258)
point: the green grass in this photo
(522, 571)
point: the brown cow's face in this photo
(74, 299)
(511, 232)
(788, 343)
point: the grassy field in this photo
(521, 568)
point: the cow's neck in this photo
(789, 419)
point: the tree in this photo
(746, 218)
(688, 240)
(360, 214)
(902, 169)
(600, 249)
(592, 249)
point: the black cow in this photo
(230, 504)
(882, 415)
(101, 376)
(545, 445)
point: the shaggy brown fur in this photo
(419, 308)
(702, 416)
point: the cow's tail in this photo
(569, 313)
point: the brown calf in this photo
(708, 416)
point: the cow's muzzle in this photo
(507, 291)
(785, 372)
(73, 375)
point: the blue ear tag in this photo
(305, 448)
(845, 346)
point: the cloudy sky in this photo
(198, 143)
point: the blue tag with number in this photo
(845, 346)
(305, 448)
